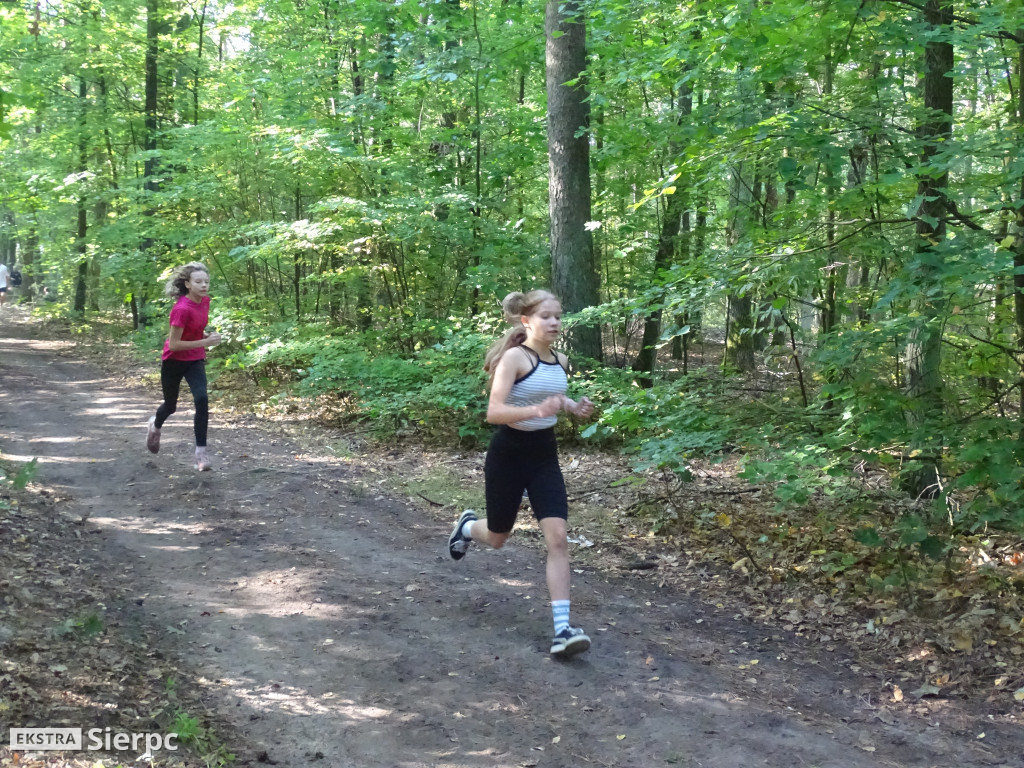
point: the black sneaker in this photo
(569, 642)
(458, 544)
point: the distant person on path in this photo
(528, 384)
(184, 355)
(5, 276)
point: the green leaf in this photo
(933, 547)
(868, 536)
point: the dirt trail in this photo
(333, 629)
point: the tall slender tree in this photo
(672, 224)
(739, 351)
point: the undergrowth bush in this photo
(437, 389)
(661, 427)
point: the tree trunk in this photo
(199, 63)
(152, 93)
(648, 354)
(574, 274)
(671, 226)
(149, 168)
(82, 229)
(1018, 242)
(28, 261)
(924, 350)
(297, 264)
(739, 341)
(830, 294)
(857, 275)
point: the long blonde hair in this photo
(176, 285)
(515, 305)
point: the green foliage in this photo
(202, 740)
(187, 727)
(438, 391)
(662, 426)
(81, 627)
(362, 214)
(19, 478)
(190, 730)
(988, 471)
(800, 472)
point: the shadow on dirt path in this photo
(331, 628)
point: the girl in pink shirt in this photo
(184, 355)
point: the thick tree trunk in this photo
(151, 99)
(830, 294)
(1018, 242)
(924, 350)
(149, 168)
(573, 264)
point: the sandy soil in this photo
(330, 627)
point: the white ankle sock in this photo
(560, 613)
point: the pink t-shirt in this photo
(192, 319)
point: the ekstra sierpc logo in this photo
(70, 739)
(38, 739)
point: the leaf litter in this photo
(950, 633)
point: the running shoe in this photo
(569, 642)
(458, 544)
(153, 436)
(202, 460)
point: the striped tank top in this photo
(543, 381)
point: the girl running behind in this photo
(184, 355)
(528, 384)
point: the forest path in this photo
(333, 629)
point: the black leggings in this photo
(194, 372)
(518, 461)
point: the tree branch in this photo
(1013, 353)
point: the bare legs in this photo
(555, 538)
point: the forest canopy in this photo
(797, 230)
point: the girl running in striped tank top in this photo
(528, 385)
